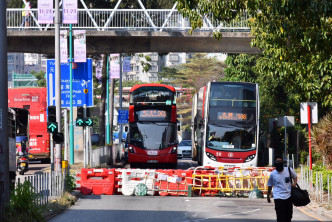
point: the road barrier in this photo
(97, 181)
(200, 181)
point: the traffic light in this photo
(52, 125)
(58, 138)
(80, 112)
(87, 112)
(88, 122)
(80, 116)
(51, 114)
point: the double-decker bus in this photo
(34, 100)
(152, 136)
(225, 124)
(18, 130)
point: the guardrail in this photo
(47, 185)
(125, 20)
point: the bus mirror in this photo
(178, 128)
(126, 128)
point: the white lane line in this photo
(226, 215)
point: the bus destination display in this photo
(152, 114)
(231, 116)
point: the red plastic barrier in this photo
(97, 181)
(173, 182)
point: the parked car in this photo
(184, 149)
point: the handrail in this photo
(125, 20)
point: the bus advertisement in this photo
(225, 124)
(34, 100)
(152, 137)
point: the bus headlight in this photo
(174, 149)
(250, 158)
(131, 149)
(211, 156)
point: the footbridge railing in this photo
(162, 20)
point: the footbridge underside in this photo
(99, 42)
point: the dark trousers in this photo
(284, 210)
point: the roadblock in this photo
(96, 181)
(200, 181)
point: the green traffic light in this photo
(79, 122)
(88, 122)
(52, 127)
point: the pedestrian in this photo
(23, 16)
(27, 13)
(281, 182)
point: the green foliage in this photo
(22, 206)
(70, 183)
(195, 73)
(322, 138)
(14, 4)
(325, 172)
(303, 156)
(294, 36)
(41, 78)
(129, 4)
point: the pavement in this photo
(318, 211)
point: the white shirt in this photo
(281, 183)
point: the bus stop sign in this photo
(123, 116)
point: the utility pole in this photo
(58, 150)
(4, 152)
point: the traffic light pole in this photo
(84, 135)
(120, 98)
(58, 147)
(71, 124)
(52, 152)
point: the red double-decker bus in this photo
(34, 100)
(152, 134)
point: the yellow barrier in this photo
(232, 180)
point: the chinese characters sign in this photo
(45, 11)
(69, 12)
(79, 46)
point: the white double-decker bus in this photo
(225, 124)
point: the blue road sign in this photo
(123, 116)
(82, 83)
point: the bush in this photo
(22, 206)
(321, 169)
(70, 183)
(322, 138)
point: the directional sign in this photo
(123, 116)
(52, 127)
(79, 122)
(88, 122)
(82, 83)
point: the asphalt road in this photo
(171, 208)
(165, 209)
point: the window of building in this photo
(174, 57)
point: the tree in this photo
(195, 73)
(41, 81)
(294, 35)
(191, 76)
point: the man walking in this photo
(281, 182)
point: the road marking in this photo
(225, 215)
(303, 211)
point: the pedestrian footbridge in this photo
(130, 31)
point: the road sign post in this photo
(309, 115)
(123, 116)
